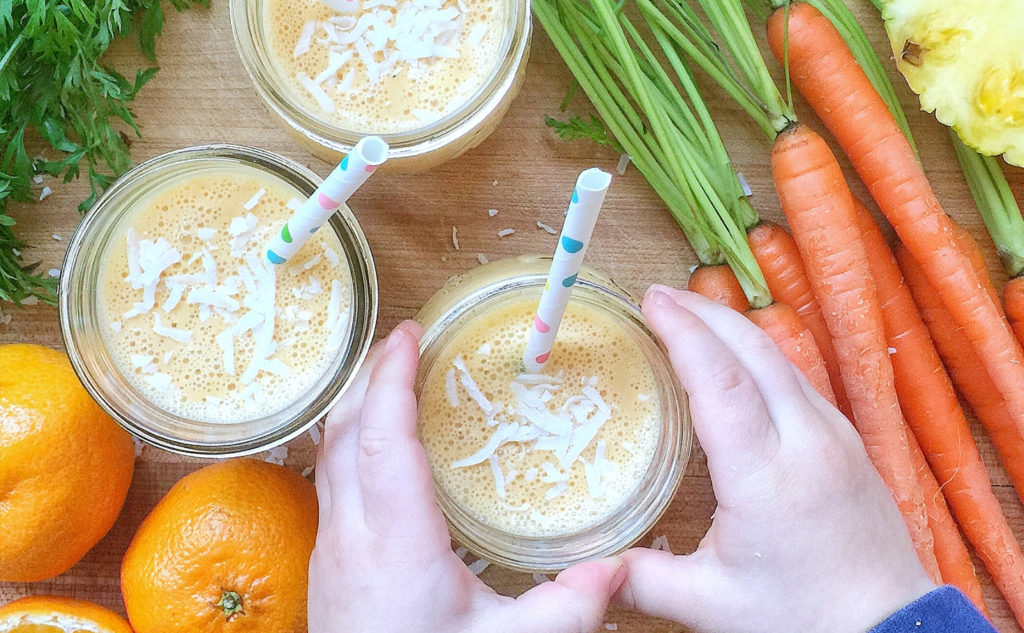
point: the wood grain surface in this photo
(202, 94)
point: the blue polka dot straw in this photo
(367, 155)
(585, 204)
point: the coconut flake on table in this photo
(546, 227)
(315, 434)
(277, 455)
(45, 193)
(660, 543)
(506, 232)
(480, 257)
(492, 212)
(56, 237)
(611, 626)
(624, 161)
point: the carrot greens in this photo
(653, 109)
(55, 87)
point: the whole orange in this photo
(65, 465)
(226, 550)
(51, 614)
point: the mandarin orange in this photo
(65, 465)
(225, 551)
(52, 614)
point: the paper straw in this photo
(367, 155)
(580, 219)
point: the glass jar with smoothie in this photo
(537, 472)
(181, 329)
(433, 78)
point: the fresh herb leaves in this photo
(577, 128)
(54, 87)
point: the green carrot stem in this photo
(996, 205)
(614, 109)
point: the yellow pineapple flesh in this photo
(965, 58)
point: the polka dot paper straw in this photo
(367, 155)
(587, 198)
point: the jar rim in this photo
(648, 502)
(404, 144)
(90, 357)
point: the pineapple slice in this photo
(965, 58)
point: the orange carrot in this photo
(787, 329)
(955, 564)
(827, 74)
(718, 283)
(819, 208)
(1013, 301)
(779, 260)
(966, 370)
(931, 409)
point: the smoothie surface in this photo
(194, 316)
(384, 66)
(546, 454)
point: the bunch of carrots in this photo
(885, 327)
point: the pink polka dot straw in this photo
(587, 197)
(367, 155)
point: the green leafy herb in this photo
(54, 87)
(576, 129)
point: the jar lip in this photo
(77, 301)
(404, 144)
(619, 530)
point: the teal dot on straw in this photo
(274, 258)
(344, 163)
(569, 281)
(575, 197)
(571, 245)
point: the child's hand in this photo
(383, 560)
(806, 536)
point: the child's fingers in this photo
(397, 489)
(666, 586)
(774, 375)
(575, 602)
(728, 411)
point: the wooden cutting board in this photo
(203, 95)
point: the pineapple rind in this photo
(969, 69)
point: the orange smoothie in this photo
(384, 66)
(194, 316)
(547, 454)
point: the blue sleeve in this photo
(944, 610)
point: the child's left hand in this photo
(383, 559)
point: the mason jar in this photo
(415, 145)
(484, 296)
(90, 337)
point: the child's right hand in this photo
(806, 537)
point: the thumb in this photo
(668, 586)
(575, 602)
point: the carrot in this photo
(931, 409)
(782, 323)
(779, 259)
(966, 370)
(826, 73)
(955, 564)
(1013, 301)
(819, 208)
(718, 283)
